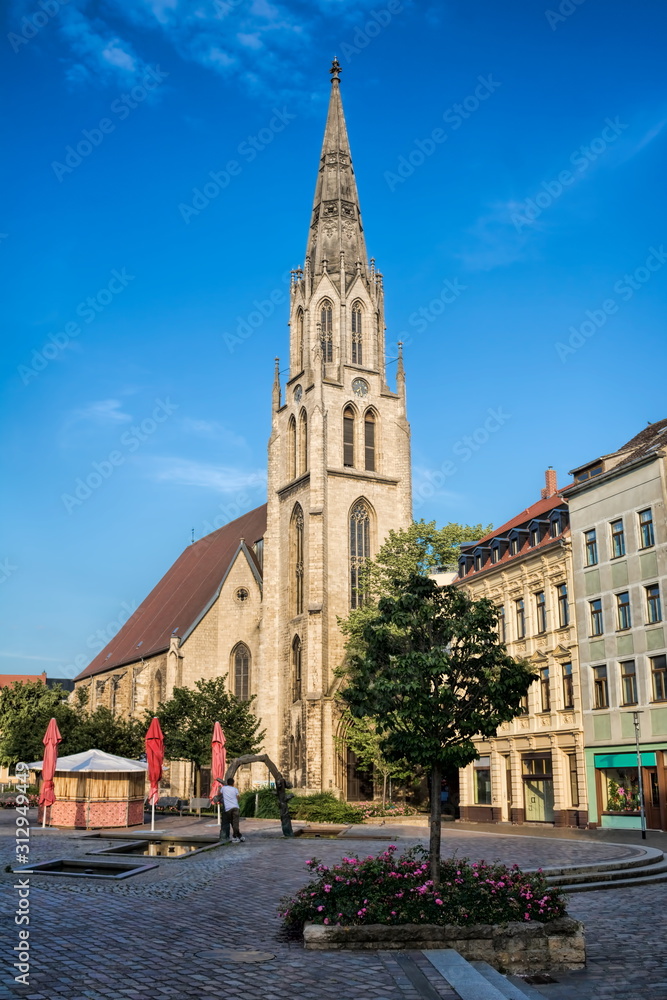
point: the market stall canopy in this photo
(94, 760)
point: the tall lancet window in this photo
(326, 330)
(360, 550)
(297, 560)
(303, 442)
(348, 437)
(357, 342)
(291, 448)
(296, 669)
(369, 441)
(242, 672)
(299, 339)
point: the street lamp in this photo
(635, 719)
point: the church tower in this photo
(338, 471)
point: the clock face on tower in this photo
(359, 387)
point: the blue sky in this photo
(522, 237)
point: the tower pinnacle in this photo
(336, 232)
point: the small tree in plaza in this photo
(427, 666)
(363, 739)
(187, 720)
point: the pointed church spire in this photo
(276, 385)
(336, 232)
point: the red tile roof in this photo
(182, 595)
(7, 679)
(529, 514)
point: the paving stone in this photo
(139, 939)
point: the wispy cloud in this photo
(212, 430)
(203, 475)
(102, 411)
(25, 656)
(254, 40)
(493, 241)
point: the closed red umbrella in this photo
(155, 756)
(52, 738)
(218, 762)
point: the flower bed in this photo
(510, 918)
(390, 889)
(371, 810)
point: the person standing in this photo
(230, 804)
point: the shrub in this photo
(267, 801)
(323, 807)
(397, 890)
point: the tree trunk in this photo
(384, 791)
(436, 824)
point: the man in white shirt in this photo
(230, 804)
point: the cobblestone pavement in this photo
(142, 938)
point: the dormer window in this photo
(495, 554)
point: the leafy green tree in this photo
(362, 738)
(429, 669)
(25, 710)
(102, 730)
(420, 548)
(187, 720)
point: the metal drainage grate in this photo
(231, 955)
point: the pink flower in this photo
(326, 920)
(319, 909)
(439, 902)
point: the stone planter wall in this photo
(513, 947)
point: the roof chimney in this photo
(551, 481)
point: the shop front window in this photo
(483, 781)
(620, 790)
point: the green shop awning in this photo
(623, 759)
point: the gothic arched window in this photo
(299, 339)
(360, 549)
(296, 669)
(326, 330)
(357, 341)
(291, 448)
(297, 560)
(369, 441)
(241, 658)
(303, 442)
(348, 437)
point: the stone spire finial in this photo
(336, 218)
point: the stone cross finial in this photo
(335, 71)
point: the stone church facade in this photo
(259, 599)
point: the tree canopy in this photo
(429, 669)
(25, 710)
(187, 720)
(418, 549)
